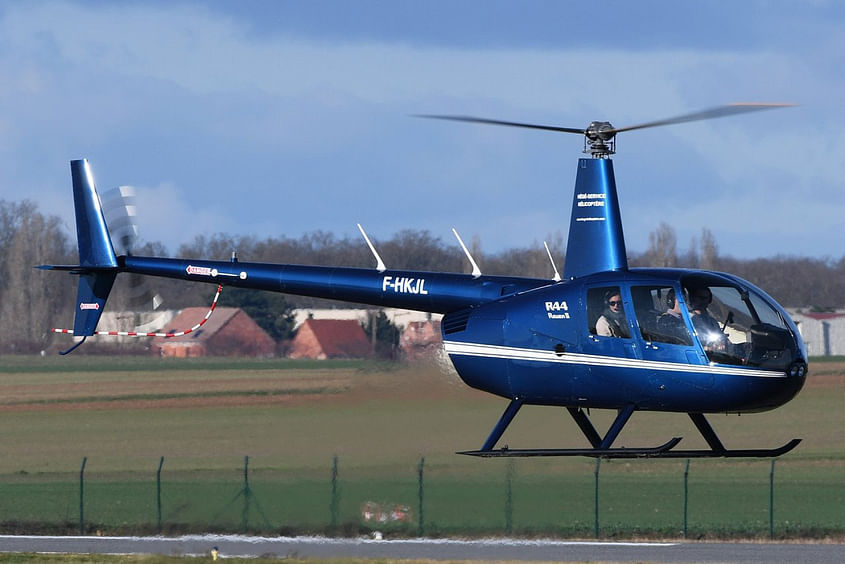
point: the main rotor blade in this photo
(717, 112)
(470, 119)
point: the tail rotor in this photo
(121, 213)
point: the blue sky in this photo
(279, 118)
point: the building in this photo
(330, 338)
(823, 332)
(228, 332)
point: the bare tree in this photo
(31, 299)
(709, 255)
(662, 246)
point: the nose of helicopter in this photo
(788, 388)
(796, 376)
(770, 393)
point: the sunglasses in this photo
(615, 302)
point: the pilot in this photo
(706, 326)
(671, 323)
(612, 322)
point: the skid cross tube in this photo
(589, 430)
(621, 418)
(503, 423)
(585, 425)
(707, 432)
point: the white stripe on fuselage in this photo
(513, 353)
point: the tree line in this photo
(32, 301)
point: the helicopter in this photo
(603, 336)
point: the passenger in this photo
(612, 322)
(671, 323)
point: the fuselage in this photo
(543, 347)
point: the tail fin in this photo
(97, 261)
(92, 234)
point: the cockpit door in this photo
(668, 343)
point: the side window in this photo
(605, 312)
(659, 315)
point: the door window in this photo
(606, 312)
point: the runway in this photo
(434, 549)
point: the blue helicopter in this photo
(605, 336)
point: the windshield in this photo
(735, 325)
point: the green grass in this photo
(380, 428)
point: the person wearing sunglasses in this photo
(612, 322)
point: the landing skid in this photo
(601, 446)
(662, 451)
(736, 453)
(595, 452)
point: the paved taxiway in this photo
(490, 549)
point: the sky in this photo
(279, 118)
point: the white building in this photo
(823, 333)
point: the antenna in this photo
(476, 272)
(379, 263)
(556, 277)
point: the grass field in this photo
(291, 418)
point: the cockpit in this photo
(734, 323)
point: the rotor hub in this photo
(600, 139)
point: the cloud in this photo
(281, 133)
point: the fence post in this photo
(772, 500)
(334, 503)
(420, 524)
(596, 473)
(82, 496)
(686, 496)
(158, 492)
(247, 493)
(509, 497)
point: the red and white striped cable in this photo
(166, 335)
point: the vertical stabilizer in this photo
(97, 260)
(92, 234)
(596, 242)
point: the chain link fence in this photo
(590, 499)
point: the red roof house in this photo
(421, 339)
(228, 332)
(330, 338)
